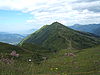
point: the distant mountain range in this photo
(10, 38)
(14, 38)
(53, 49)
(57, 36)
(27, 32)
(92, 28)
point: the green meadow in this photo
(85, 62)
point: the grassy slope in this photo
(57, 36)
(6, 48)
(26, 51)
(86, 62)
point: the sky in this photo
(20, 15)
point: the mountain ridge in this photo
(91, 28)
(57, 36)
(10, 38)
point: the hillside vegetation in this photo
(6, 48)
(84, 62)
(57, 36)
(52, 50)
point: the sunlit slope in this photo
(6, 48)
(85, 62)
(57, 36)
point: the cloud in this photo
(87, 0)
(67, 12)
(92, 6)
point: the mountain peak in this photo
(76, 24)
(57, 23)
(57, 36)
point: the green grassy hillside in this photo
(5, 48)
(84, 62)
(57, 36)
(53, 50)
(26, 51)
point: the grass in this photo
(57, 36)
(86, 62)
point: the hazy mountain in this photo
(10, 38)
(92, 28)
(54, 37)
(97, 31)
(57, 36)
(27, 32)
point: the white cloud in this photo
(67, 12)
(86, 5)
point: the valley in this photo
(52, 50)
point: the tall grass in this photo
(86, 62)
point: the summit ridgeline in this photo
(58, 36)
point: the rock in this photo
(69, 54)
